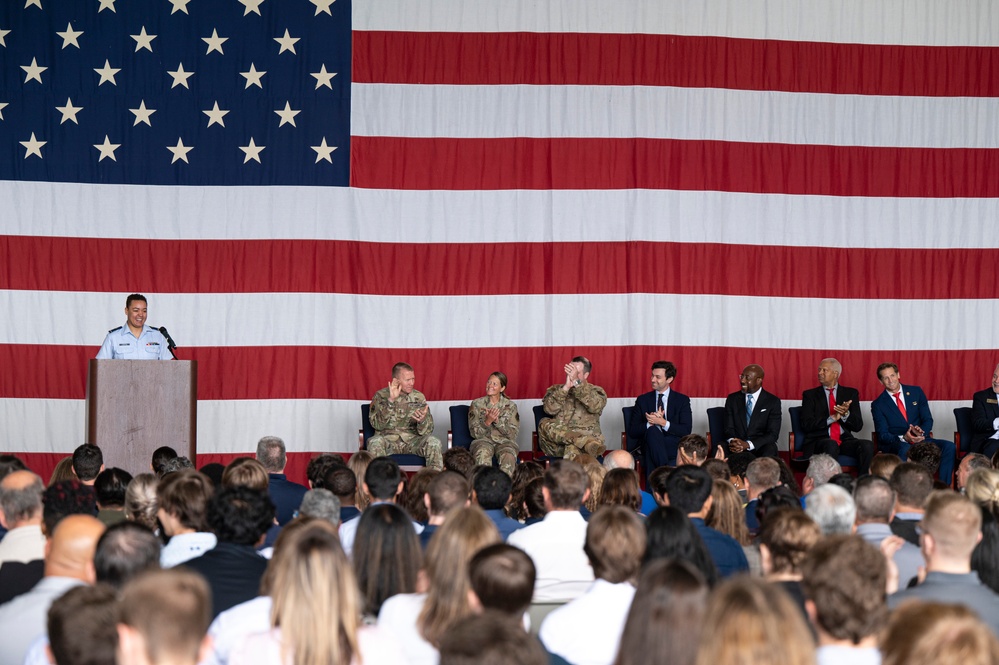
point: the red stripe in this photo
(346, 373)
(766, 168)
(308, 266)
(496, 58)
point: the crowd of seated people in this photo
(723, 560)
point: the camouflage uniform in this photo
(574, 427)
(500, 438)
(396, 431)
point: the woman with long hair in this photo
(494, 423)
(387, 555)
(522, 476)
(620, 488)
(671, 535)
(728, 516)
(358, 463)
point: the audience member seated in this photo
(88, 462)
(248, 472)
(912, 484)
(844, 583)
(774, 499)
(762, 474)
(556, 543)
(387, 556)
(286, 495)
(419, 620)
(657, 484)
(884, 464)
(161, 456)
(109, 488)
(832, 508)
(163, 619)
(688, 488)
(491, 491)
(931, 633)
(140, 501)
(319, 468)
(928, 455)
(615, 544)
(595, 473)
(239, 517)
(176, 464)
(415, 491)
(622, 459)
(671, 535)
(501, 578)
(21, 516)
(821, 467)
(490, 638)
(534, 502)
(82, 627)
(620, 488)
(63, 471)
(358, 463)
(343, 484)
(446, 492)
(522, 475)
(728, 516)
(573, 409)
(718, 470)
(985, 557)
(459, 460)
(875, 501)
(320, 504)
(124, 551)
(182, 499)
(971, 462)
(382, 483)
(786, 537)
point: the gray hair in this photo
(21, 503)
(321, 504)
(619, 459)
(875, 500)
(832, 508)
(821, 468)
(836, 365)
(271, 452)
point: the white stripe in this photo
(54, 426)
(338, 213)
(295, 319)
(951, 23)
(500, 111)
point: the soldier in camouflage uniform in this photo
(575, 407)
(402, 421)
(495, 423)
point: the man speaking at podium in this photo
(135, 340)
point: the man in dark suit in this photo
(985, 419)
(286, 495)
(830, 414)
(752, 417)
(661, 418)
(902, 419)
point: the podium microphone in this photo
(171, 345)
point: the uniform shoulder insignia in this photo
(115, 329)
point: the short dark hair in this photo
(459, 460)
(110, 487)
(884, 366)
(160, 457)
(133, 297)
(82, 626)
(11, 463)
(587, 367)
(171, 609)
(123, 551)
(66, 497)
(185, 495)
(490, 638)
(665, 365)
(319, 468)
(87, 461)
(400, 367)
(657, 480)
(342, 482)
(671, 535)
(447, 490)
(271, 452)
(240, 515)
(926, 453)
(176, 464)
(694, 445)
(534, 499)
(382, 478)
(492, 488)
(718, 469)
(502, 576)
(688, 487)
(912, 483)
(566, 482)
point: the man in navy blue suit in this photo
(661, 418)
(902, 419)
(985, 419)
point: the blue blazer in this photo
(888, 421)
(677, 409)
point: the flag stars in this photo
(251, 151)
(179, 6)
(70, 36)
(36, 3)
(3, 105)
(324, 151)
(107, 74)
(322, 6)
(251, 6)
(107, 4)
(3, 34)
(216, 115)
(180, 77)
(143, 40)
(287, 42)
(214, 42)
(253, 77)
(180, 151)
(142, 114)
(69, 111)
(287, 115)
(107, 149)
(323, 78)
(33, 71)
(32, 147)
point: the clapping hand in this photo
(492, 415)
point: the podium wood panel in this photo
(136, 406)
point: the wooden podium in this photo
(136, 406)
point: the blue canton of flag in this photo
(186, 92)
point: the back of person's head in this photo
(620, 488)
(694, 447)
(123, 551)
(343, 484)
(240, 515)
(319, 468)
(534, 499)
(718, 469)
(926, 453)
(671, 535)
(413, 497)
(184, 495)
(738, 465)
(175, 464)
(954, 523)
(754, 621)
(20, 497)
(884, 464)
(213, 471)
(320, 504)
(447, 491)
(387, 555)
(492, 488)
(460, 461)
(774, 499)
(160, 456)
(271, 452)
(619, 459)
(67, 497)
(844, 579)
(785, 539)
(986, 552)
(875, 500)
(522, 475)
(358, 463)
(140, 500)
(382, 479)
(87, 462)
(163, 618)
(10, 464)
(982, 486)
(63, 471)
(727, 513)
(565, 483)
(656, 482)
(246, 472)
(665, 619)
(832, 508)
(110, 487)
(81, 626)
(927, 633)
(490, 638)
(595, 473)
(502, 577)
(763, 473)
(615, 543)
(821, 468)
(912, 484)
(687, 488)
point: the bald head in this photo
(20, 499)
(618, 459)
(70, 551)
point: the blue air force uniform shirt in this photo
(121, 344)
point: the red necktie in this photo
(901, 406)
(834, 427)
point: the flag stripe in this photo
(435, 58)
(324, 373)
(302, 266)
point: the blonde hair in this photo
(754, 622)
(595, 473)
(316, 603)
(727, 514)
(982, 487)
(358, 463)
(63, 471)
(923, 633)
(140, 500)
(246, 472)
(464, 532)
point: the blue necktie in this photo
(749, 408)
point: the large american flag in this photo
(310, 190)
